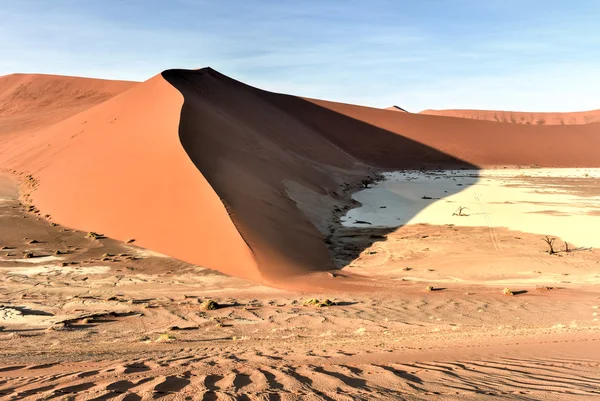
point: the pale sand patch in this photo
(517, 199)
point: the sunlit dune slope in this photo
(31, 101)
(119, 169)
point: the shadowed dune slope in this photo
(31, 101)
(263, 153)
(517, 117)
(486, 143)
(233, 178)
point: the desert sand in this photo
(126, 208)
(520, 117)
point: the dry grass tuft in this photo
(209, 304)
(319, 304)
(94, 235)
(165, 337)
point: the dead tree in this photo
(459, 211)
(567, 249)
(366, 182)
(550, 242)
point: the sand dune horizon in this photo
(521, 117)
(204, 168)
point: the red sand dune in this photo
(201, 167)
(119, 169)
(30, 101)
(518, 117)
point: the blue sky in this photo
(530, 55)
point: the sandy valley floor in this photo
(103, 320)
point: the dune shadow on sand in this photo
(252, 146)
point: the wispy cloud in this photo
(526, 54)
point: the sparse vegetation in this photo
(209, 304)
(507, 291)
(550, 242)
(94, 235)
(429, 288)
(28, 255)
(460, 211)
(319, 304)
(366, 182)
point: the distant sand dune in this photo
(517, 117)
(31, 101)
